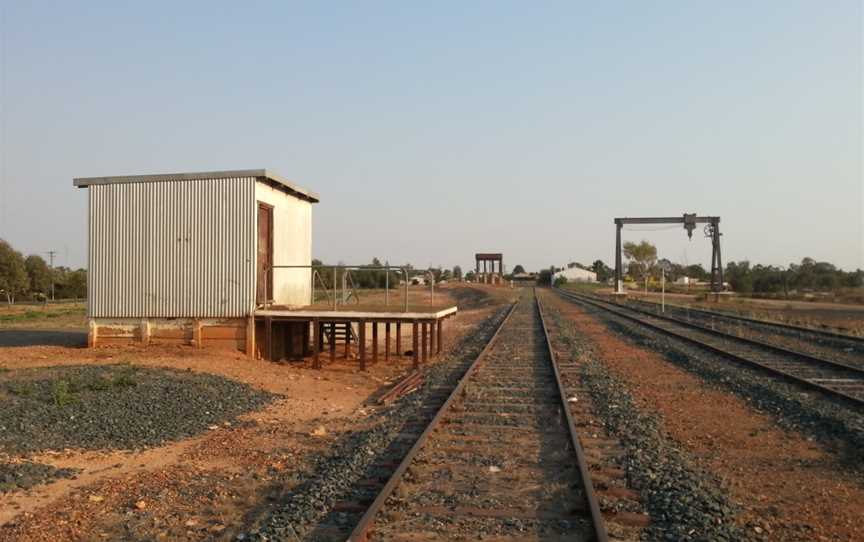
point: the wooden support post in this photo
(399, 339)
(268, 338)
(374, 341)
(332, 342)
(433, 336)
(144, 331)
(440, 334)
(425, 338)
(196, 334)
(316, 345)
(362, 345)
(250, 337)
(415, 339)
(387, 342)
(347, 339)
(92, 338)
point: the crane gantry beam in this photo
(689, 220)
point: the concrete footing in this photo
(229, 333)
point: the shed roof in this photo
(265, 174)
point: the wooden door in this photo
(265, 254)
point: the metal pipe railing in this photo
(404, 271)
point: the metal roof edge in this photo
(312, 197)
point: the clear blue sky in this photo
(435, 130)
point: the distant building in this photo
(523, 278)
(576, 274)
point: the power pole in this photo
(51, 254)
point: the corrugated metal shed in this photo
(175, 245)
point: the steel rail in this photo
(600, 533)
(363, 527)
(824, 333)
(604, 305)
(803, 356)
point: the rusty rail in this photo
(642, 318)
(600, 533)
(364, 527)
(361, 531)
(409, 384)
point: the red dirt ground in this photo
(791, 488)
(205, 488)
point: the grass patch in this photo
(62, 315)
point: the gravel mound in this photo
(15, 476)
(114, 406)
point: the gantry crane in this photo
(712, 230)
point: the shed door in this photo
(265, 254)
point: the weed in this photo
(95, 383)
(22, 389)
(62, 393)
(125, 377)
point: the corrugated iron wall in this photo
(172, 249)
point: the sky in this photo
(434, 130)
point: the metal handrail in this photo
(388, 268)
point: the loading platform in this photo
(293, 334)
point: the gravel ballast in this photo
(114, 406)
(335, 476)
(25, 475)
(794, 409)
(685, 503)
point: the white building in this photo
(186, 257)
(576, 274)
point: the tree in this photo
(739, 276)
(642, 259)
(13, 273)
(603, 271)
(696, 271)
(39, 274)
(76, 284)
(457, 272)
(470, 276)
(518, 269)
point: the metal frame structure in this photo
(346, 279)
(689, 220)
(489, 274)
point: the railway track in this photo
(834, 378)
(501, 458)
(848, 349)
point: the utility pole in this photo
(51, 254)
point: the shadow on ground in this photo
(42, 337)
